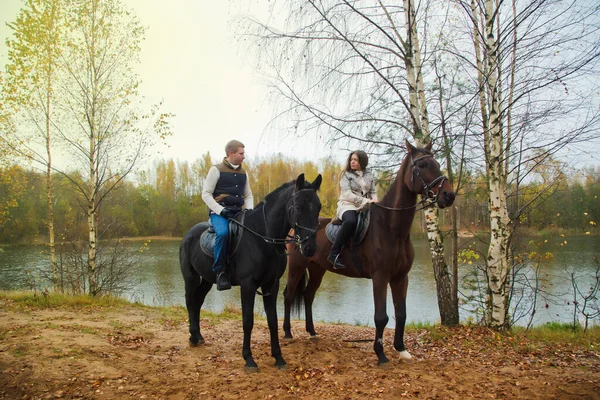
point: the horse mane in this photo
(277, 192)
(401, 171)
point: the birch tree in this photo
(83, 68)
(108, 132)
(536, 69)
(352, 72)
(29, 91)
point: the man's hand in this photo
(226, 213)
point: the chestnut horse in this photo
(386, 253)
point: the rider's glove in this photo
(227, 213)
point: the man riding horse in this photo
(226, 190)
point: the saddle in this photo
(362, 226)
(207, 239)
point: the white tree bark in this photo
(418, 108)
(498, 253)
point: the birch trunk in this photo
(50, 55)
(448, 308)
(93, 119)
(91, 215)
(49, 189)
(498, 252)
(411, 74)
(453, 209)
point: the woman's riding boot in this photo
(335, 260)
(342, 237)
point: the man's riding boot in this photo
(223, 282)
(335, 260)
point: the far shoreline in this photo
(462, 234)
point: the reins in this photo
(288, 239)
(267, 239)
(277, 241)
(429, 202)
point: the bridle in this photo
(297, 240)
(428, 196)
(311, 232)
(428, 193)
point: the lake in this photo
(158, 281)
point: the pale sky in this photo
(190, 60)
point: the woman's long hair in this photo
(363, 161)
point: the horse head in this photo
(303, 213)
(424, 177)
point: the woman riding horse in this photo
(386, 253)
(357, 190)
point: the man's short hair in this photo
(233, 146)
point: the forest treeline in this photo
(165, 200)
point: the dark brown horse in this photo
(386, 254)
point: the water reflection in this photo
(158, 281)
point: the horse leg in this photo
(292, 290)
(288, 296)
(195, 292)
(314, 282)
(248, 293)
(270, 304)
(381, 317)
(399, 290)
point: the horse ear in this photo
(300, 182)
(317, 182)
(428, 147)
(410, 148)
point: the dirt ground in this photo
(139, 352)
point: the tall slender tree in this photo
(536, 97)
(80, 56)
(107, 133)
(31, 78)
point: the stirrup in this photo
(334, 259)
(223, 282)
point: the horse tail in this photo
(183, 258)
(298, 299)
(187, 269)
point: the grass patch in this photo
(561, 334)
(230, 312)
(174, 313)
(418, 326)
(55, 300)
(20, 350)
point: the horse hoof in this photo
(251, 370)
(384, 365)
(288, 338)
(196, 344)
(405, 356)
(314, 337)
(283, 367)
